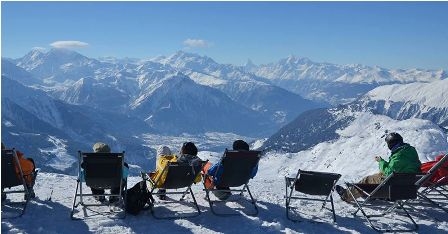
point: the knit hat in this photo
(163, 150)
(240, 145)
(101, 147)
(189, 148)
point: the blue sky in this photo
(387, 34)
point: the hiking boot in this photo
(162, 195)
(342, 193)
(100, 198)
(222, 195)
(340, 190)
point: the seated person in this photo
(403, 158)
(216, 171)
(29, 172)
(188, 155)
(101, 147)
(164, 156)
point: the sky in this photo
(386, 34)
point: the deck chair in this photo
(311, 183)
(9, 180)
(102, 171)
(387, 198)
(237, 170)
(435, 192)
(179, 176)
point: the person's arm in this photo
(388, 167)
(254, 171)
(212, 170)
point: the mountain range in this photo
(60, 99)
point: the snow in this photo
(351, 155)
(62, 159)
(434, 94)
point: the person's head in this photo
(101, 147)
(392, 139)
(240, 145)
(189, 148)
(163, 150)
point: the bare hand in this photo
(377, 158)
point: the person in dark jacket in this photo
(189, 155)
(216, 171)
(403, 158)
(101, 147)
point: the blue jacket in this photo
(216, 171)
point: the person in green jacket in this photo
(403, 158)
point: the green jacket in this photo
(402, 159)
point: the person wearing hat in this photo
(403, 158)
(164, 156)
(101, 147)
(188, 154)
(216, 171)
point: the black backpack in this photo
(137, 197)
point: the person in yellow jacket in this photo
(164, 156)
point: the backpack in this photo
(137, 197)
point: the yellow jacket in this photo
(161, 163)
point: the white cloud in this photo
(69, 44)
(198, 43)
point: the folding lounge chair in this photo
(311, 183)
(101, 171)
(237, 170)
(178, 176)
(390, 195)
(9, 180)
(435, 192)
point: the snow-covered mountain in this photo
(58, 65)
(9, 69)
(336, 84)
(243, 87)
(181, 105)
(35, 122)
(309, 129)
(415, 100)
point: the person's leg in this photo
(99, 194)
(162, 195)
(222, 195)
(116, 191)
(371, 179)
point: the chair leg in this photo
(194, 200)
(389, 210)
(74, 200)
(332, 208)
(253, 200)
(432, 202)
